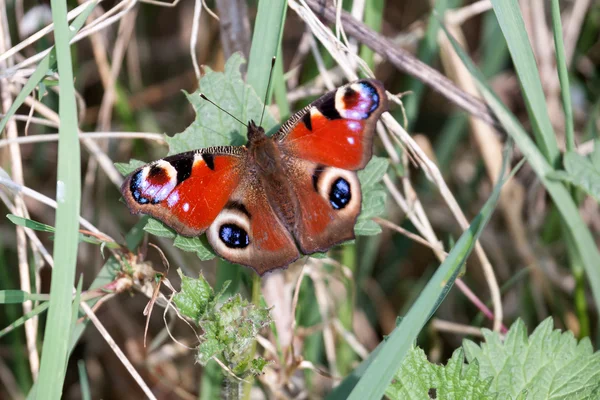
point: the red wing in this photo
(188, 190)
(329, 201)
(248, 231)
(336, 130)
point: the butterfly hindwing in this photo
(337, 129)
(186, 191)
(329, 201)
(248, 231)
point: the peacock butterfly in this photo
(265, 204)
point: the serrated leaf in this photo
(194, 297)
(127, 168)
(373, 172)
(595, 155)
(547, 365)
(157, 228)
(374, 196)
(208, 349)
(366, 227)
(195, 244)
(417, 378)
(373, 203)
(213, 127)
(581, 172)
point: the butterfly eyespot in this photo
(340, 193)
(135, 189)
(233, 236)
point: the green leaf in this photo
(581, 172)
(373, 172)
(28, 223)
(365, 227)
(582, 237)
(196, 244)
(20, 296)
(374, 196)
(194, 297)
(595, 155)
(38, 226)
(157, 228)
(417, 378)
(55, 351)
(127, 168)
(513, 27)
(379, 370)
(547, 365)
(213, 127)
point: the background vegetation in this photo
(489, 126)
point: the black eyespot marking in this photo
(316, 176)
(307, 121)
(183, 166)
(327, 108)
(209, 159)
(233, 236)
(350, 94)
(155, 171)
(340, 193)
(236, 205)
(134, 187)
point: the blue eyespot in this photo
(134, 186)
(340, 194)
(233, 236)
(371, 93)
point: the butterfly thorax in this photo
(266, 159)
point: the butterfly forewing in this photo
(337, 129)
(186, 191)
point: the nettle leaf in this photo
(582, 172)
(157, 228)
(230, 330)
(417, 378)
(213, 127)
(546, 365)
(196, 244)
(373, 173)
(195, 297)
(374, 196)
(127, 168)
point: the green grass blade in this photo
(19, 296)
(84, 382)
(428, 50)
(280, 89)
(373, 19)
(68, 197)
(266, 41)
(379, 373)
(512, 25)
(565, 205)
(21, 320)
(44, 67)
(563, 75)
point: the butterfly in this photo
(265, 204)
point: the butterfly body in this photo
(265, 204)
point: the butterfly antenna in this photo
(268, 88)
(222, 109)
